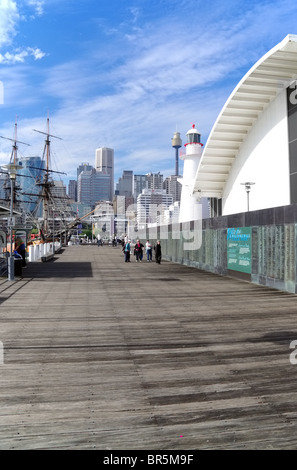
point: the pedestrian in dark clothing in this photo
(138, 251)
(126, 250)
(158, 253)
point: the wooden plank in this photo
(102, 354)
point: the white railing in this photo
(44, 250)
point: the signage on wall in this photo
(239, 249)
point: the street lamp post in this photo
(11, 257)
(92, 220)
(12, 168)
(248, 185)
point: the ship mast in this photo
(13, 166)
(46, 184)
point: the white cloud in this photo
(172, 74)
(36, 53)
(19, 56)
(9, 17)
(37, 5)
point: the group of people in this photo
(139, 249)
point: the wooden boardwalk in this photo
(102, 354)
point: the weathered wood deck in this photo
(102, 354)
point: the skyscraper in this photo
(104, 162)
(84, 187)
(72, 190)
(4, 183)
(84, 167)
(173, 186)
(151, 204)
(125, 184)
(93, 186)
(154, 181)
(140, 183)
(58, 193)
(100, 187)
(31, 173)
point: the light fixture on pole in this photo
(12, 168)
(248, 185)
(93, 227)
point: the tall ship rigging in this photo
(46, 185)
(39, 201)
(35, 195)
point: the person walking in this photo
(158, 252)
(126, 250)
(148, 249)
(138, 251)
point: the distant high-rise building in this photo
(104, 162)
(100, 187)
(151, 181)
(140, 183)
(125, 184)
(151, 205)
(173, 186)
(84, 187)
(72, 190)
(84, 167)
(4, 185)
(58, 193)
(154, 181)
(93, 186)
(31, 173)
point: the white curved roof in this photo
(274, 71)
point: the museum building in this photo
(250, 158)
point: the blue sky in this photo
(126, 74)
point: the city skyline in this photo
(125, 75)
(128, 184)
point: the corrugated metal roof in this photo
(274, 71)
